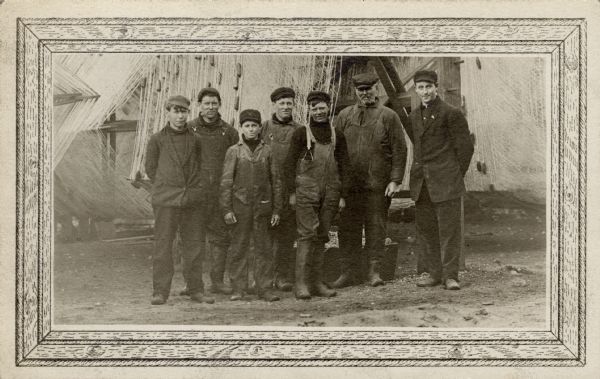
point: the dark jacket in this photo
(442, 151)
(376, 145)
(215, 138)
(250, 178)
(175, 175)
(278, 135)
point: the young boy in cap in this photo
(173, 166)
(441, 157)
(316, 166)
(216, 137)
(251, 202)
(378, 157)
(277, 133)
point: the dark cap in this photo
(426, 76)
(178, 101)
(209, 91)
(366, 79)
(319, 96)
(250, 115)
(281, 93)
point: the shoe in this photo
(268, 296)
(184, 292)
(374, 278)
(237, 296)
(200, 298)
(320, 289)
(283, 285)
(158, 299)
(344, 280)
(302, 270)
(220, 288)
(452, 284)
(428, 282)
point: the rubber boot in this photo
(302, 270)
(318, 287)
(374, 278)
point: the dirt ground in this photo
(503, 286)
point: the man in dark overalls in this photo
(277, 133)
(316, 166)
(378, 157)
(173, 166)
(216, 136)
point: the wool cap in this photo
(366, 79)
(209, 91)
(179, 101)
(281, 93)
(319, 96)
(250, 115)
(426, 76)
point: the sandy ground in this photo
(504, 286)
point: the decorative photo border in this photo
(40, 343)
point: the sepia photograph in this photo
(209, 237)
(317, 192)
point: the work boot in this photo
(158, 299)
(302, 269)
(237, 295)
(185, 291)
(218, 257)
(428, 281)
(267, 295)
(318, 287)
(282, 284)
(220, 288)
(374, 278)
(452, 284)
(201, 298)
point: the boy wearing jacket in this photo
(250, 197)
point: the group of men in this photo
(353, 166)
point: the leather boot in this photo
(345, 279)
(374, 278)
(318, 287)
(218, 257)
(302, 270)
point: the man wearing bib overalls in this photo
(316, 166)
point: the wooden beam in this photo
(68, 98)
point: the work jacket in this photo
(250, 179)
(215, 138)
(376, 145)
(175, 175)
(442, 151)
(278, 136)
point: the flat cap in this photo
(319, 96)
(281, 93)
(250, 115)
(366, 79)
(209, 91)
(426, 76)
(178, 101)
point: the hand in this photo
(275, 219)
(292, 200)
(342, 204)
(392, 189)
(230, 218)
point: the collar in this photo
(169, 129)
(432, 104)
(210, 125)
(278, 121)
(374, 105)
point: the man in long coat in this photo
(442, 154)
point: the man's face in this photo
(427, 91)
(250, 129)
(209, 107)
(367, 94)
(284, 108)
(319, 112)
(177, 117)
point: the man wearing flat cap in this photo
(377, 153)
(173, 165)
(442, 154)
(316, 167)
(277, 133)
(216, 136)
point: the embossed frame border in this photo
(39, 343)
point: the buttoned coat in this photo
(442, 151)
(166, 169)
